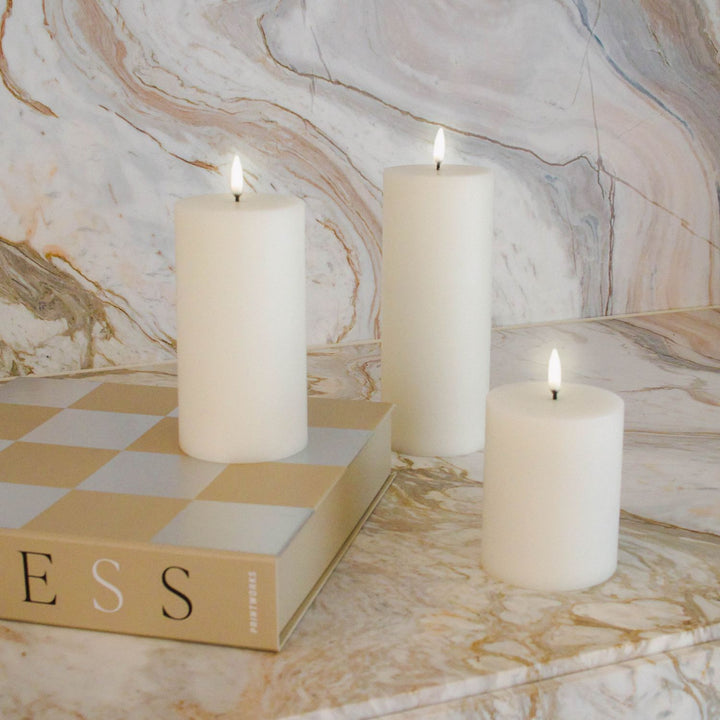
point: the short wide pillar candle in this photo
(436, 295)
(551, 499)
(242, 379)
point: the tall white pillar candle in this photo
(241, 326)
(551, 497)
(436, 295)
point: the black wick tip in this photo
(237, 197)
(554, 394)
(437, 165)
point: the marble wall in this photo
(600, 119)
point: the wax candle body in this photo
(241, 327)
(436, 295)
(551, 497)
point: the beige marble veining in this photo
(677, 684)
(339, 371)
(599, 120)
(409, 625)
(347, 371)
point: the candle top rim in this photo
(249, 202)
(429, 170)
(575, 401)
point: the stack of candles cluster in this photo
(553, 452)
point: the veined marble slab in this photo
(677, 684)
(599, 119)
(409, 625)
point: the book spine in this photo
(184, 594)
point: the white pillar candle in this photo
(241, 325)
(551, 496)
(436, 295)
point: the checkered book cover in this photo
(106, 524)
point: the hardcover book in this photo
(106, 525)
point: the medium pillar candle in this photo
(551, 498)
(241, 327)
(436, 296)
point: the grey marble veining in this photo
(598, 118)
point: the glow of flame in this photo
(439, 147)
(554, 371)
(236, 177)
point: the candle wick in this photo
(437, 165)
(554, 394)
(237, 196)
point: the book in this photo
(106, 525)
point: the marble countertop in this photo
(409, 625)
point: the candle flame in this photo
(439, 148)
(554, 372)
(236, 178)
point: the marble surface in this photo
(409, 625)
(599, 119)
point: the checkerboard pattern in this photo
(101, 460)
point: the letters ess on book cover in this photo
(105, 524)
